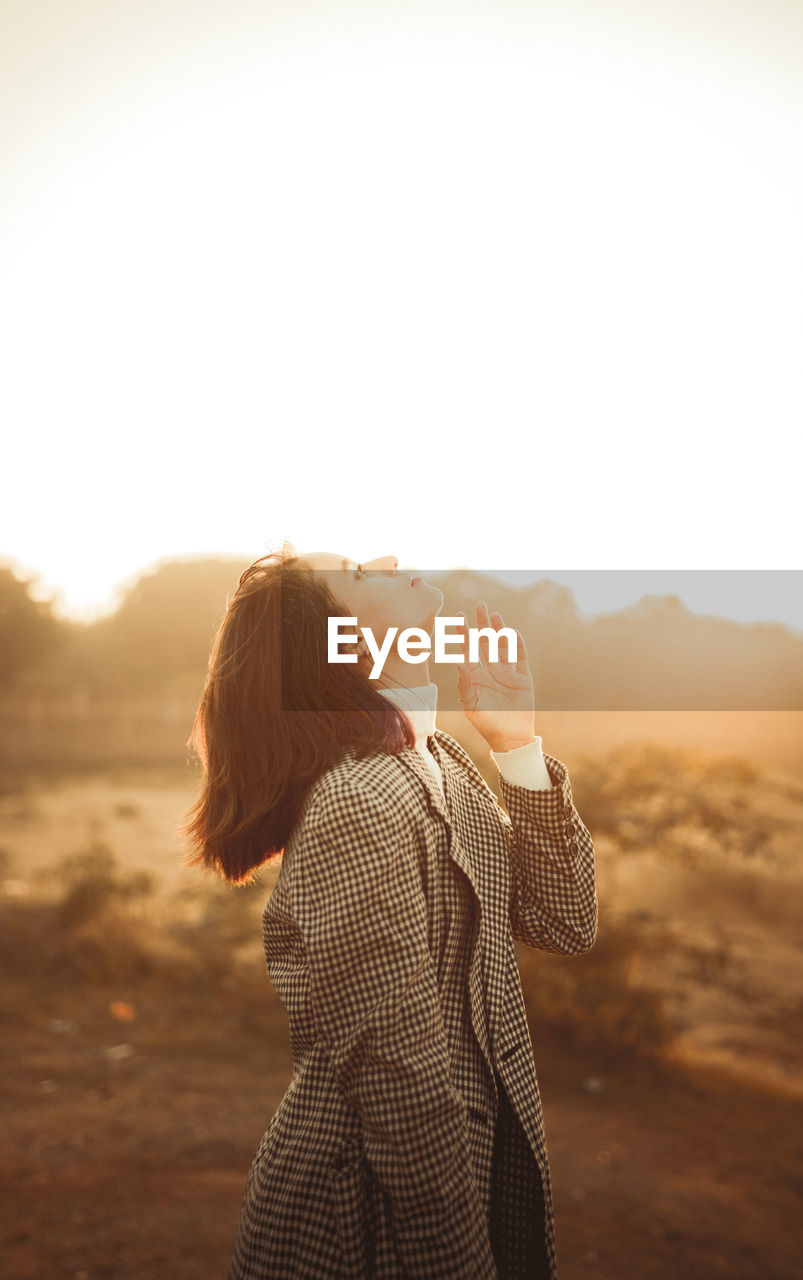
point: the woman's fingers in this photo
(496, 622)
(464, 635)
(483, 620)
(484, 685)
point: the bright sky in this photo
(500, 285)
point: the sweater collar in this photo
(420, 703)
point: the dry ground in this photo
(131, 1162)
(144, 1051)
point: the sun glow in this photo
(492, 270)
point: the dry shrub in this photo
(598, 1002)
(646, 795)
(94, 885)
(92, 919)
(88, 922)
(35, 945)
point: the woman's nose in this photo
(383, 562)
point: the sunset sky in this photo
(508, 286)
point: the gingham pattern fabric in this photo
(389, 938)
(517, 1213)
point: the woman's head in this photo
(379, 596)
(275, 714)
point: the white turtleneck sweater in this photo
(523, 766)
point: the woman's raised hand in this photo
(497, 698)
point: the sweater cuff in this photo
(524, 766)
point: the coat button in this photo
(567, 812)
(569, 829)
(574, 847)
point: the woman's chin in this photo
(432, 593)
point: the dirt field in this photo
(144, 1050)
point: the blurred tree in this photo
(29, 632)
(158, 638)
(653, 656)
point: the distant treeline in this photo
(654, 655)
(156, 641)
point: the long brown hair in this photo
(274, 715)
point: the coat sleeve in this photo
(362, 912)
(553, 884)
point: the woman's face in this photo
(377, 594)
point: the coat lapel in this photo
(449, 807)
(481, 820)
(435, 799)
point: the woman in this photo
(410, 1139)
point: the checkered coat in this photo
(389, 938)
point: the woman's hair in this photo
(275, 714)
